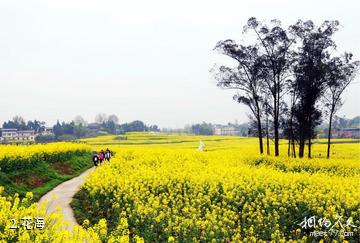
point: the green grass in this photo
(81, 205)
(43, 176)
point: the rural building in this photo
(47, 131)
(14, 135)
(26, 135)
(226, 130)
(347, 133)
(8, 134)
(94, 127)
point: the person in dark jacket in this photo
(95, 159)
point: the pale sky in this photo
(146, 60)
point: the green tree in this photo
(310, 75)
(247, 78)
(202, 129)
(340, 72)
(275, 43)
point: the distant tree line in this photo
(104, 125)
(202, 129)
(137, 126)
(79, 127)
(208, 128)
(205, 128)
(342, 122)
(65, 131)
(19, 123)
(289, 78)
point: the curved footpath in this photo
(64, 195)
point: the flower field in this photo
(14, 211)
(160, 188)
(227, 193)
(18, 215)
(14, 157)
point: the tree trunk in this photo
(293, 147)
(291, 132)
(260, 136)
(276, 126)
(301, 146)
(291, 136)
(329, 133)
(276, 137)
(258, 117)
(289, 146)
(309, 139)
(267, 137)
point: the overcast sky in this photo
(146, 60)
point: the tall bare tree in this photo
(340, 72)
(101, 118)
(275, 43)
(79, 120)
(113, 118)
(310, 75)
(246, 78)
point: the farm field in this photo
(38, 168)
(181, 121)
(166, 190)
(160, 188)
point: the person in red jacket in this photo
(101, 156)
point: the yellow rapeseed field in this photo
(22, 156)
(55, 229)
(160, 188)
(169, 191)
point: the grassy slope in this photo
(44, 176)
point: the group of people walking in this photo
(98, 158)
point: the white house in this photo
(14, 135)
(26, 135)
(8, 134)
(47, 131)
(226, 130)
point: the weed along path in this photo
(64, 194)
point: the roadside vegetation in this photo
(39, 168)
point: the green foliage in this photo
(135, 126)
(19, 123)
(66, 137)
(44, 175)
(45, 138)
(202, 129)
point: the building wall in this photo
(226, 131)
(347, 133)
(14, 135)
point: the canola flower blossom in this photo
(55, 229)
(160, 188)
(19, 156)
(15, 209)
(231, 195)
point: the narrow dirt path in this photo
(64, 195)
